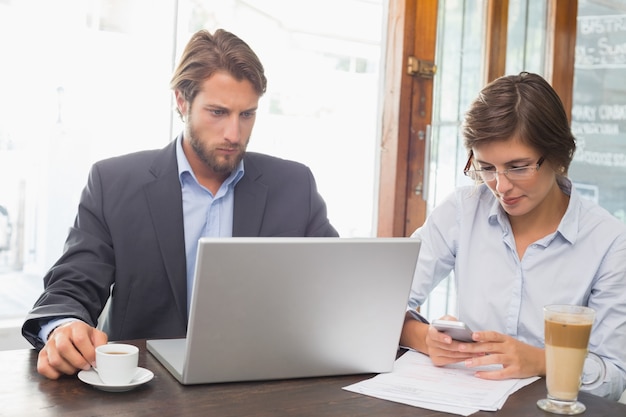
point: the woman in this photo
(520, 239)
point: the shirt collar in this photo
(568, 227)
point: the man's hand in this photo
(70, 348)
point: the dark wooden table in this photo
(23, 392)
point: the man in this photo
(141, 215)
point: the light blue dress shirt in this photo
(205, 214)
(583, 263)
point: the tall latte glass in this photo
(567, 330)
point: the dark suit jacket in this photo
(128, 234)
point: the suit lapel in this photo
(250, 198)
(165, 205)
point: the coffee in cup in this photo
(567, 332)
(116, 363)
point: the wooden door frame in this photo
(406, 112)
(496, 31)
(561, 49)
(395, 121)
(560, 45)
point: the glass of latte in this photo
(567, 331)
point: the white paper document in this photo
(453, 388)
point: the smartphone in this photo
(455, 329)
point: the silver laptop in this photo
(278, 308)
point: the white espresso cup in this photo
(116, 363)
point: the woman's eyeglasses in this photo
(513, 174)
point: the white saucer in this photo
(92, 378)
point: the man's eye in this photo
(216, 112)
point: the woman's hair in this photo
(206, 54)
(524, 106)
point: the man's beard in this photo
(219, 165)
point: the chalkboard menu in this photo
(599, 107)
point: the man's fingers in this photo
(71, 347)
(51, 365)
(70, 344)
(43, 366)
(88, 349)
(99, 338)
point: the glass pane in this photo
(90, 79)
(599, 105)
(322, 102)
(526, 36)
(87, 80)
(460, 27)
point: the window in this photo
(321, 106)
(599, 105)
(526, 38)
(460, 28)
(89, 79)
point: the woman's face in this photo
(518, 197)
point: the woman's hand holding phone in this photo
(445, 350)
(517, 359)
(457, 330)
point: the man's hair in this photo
(208, 53)
(523, 106)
